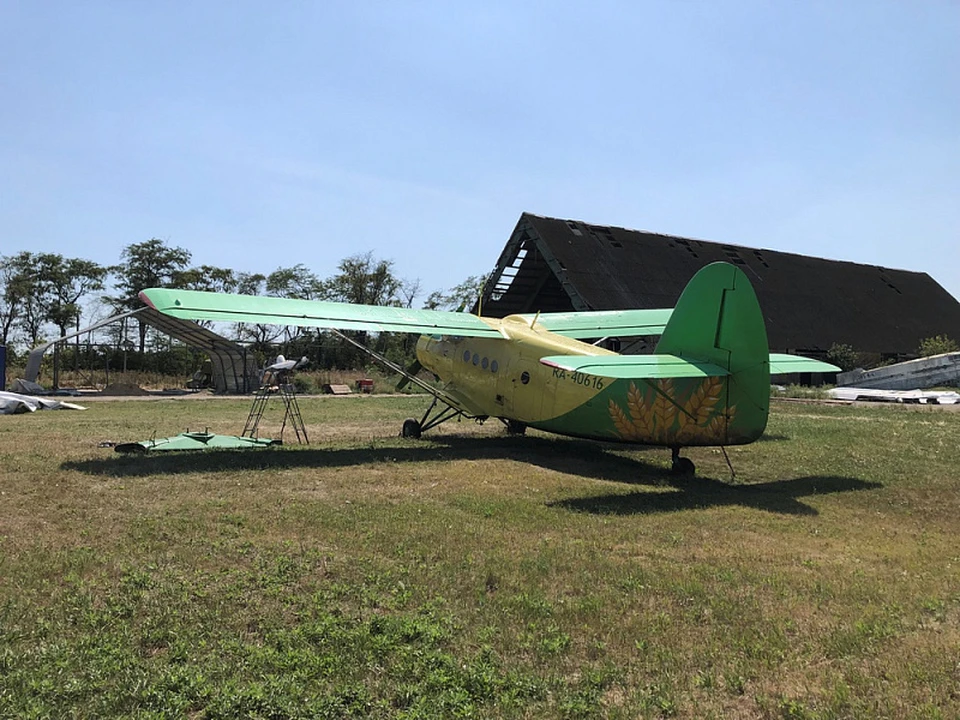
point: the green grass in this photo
(471, 574)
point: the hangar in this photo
(555, 265)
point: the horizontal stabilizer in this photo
(603, 323)
(634, 366)
(781, 364)
(222, 307)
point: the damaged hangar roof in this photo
(809, 303)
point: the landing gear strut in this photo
(413, 428)
(681, 466)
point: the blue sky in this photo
(265, 134)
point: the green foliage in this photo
(843, 356)
(19, 284)
(149, 264)
(37, 290)
(304, 384)
(937, 345)
(461, 297)
(41, 288)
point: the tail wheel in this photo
(682, 467)
(411, 429)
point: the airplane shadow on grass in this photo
(778, 496)
(574, 457)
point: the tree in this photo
(464, 295)
(208, 278)
(29, 296)
(259, 336)
(937, 345)
(144, 265)
(843, 356)
(18, 279)
(363, 280)
(65, 281)
(295, 282)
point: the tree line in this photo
(46, 293)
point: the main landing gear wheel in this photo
(411, 429)
(682, 466)
(515, 427)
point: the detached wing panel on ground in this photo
(196, 305)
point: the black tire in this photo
(683, 467)
(411, 429)
(515, 427)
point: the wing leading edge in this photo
(197, 305)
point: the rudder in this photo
(718, 320)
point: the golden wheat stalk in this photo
(621, 422)
(717, 429)
(698, 409)
(664, 410)
(640, 413)
(702, 400)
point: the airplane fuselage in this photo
(504, 378)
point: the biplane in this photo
(706, 383)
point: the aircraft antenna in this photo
(535, 318)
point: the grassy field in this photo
(471, 574)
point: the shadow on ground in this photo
(779, 496)
(573, 457)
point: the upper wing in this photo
(196, 305)
(781, 364)
(635, 366)
(604, 323)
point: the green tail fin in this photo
(718, 320)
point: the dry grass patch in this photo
(476, 574)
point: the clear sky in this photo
(265, 134)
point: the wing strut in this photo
(438, 394)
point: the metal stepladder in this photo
(288, 394)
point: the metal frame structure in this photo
(234, 369)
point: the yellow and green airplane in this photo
(707, 382)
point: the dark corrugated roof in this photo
(809, 303)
